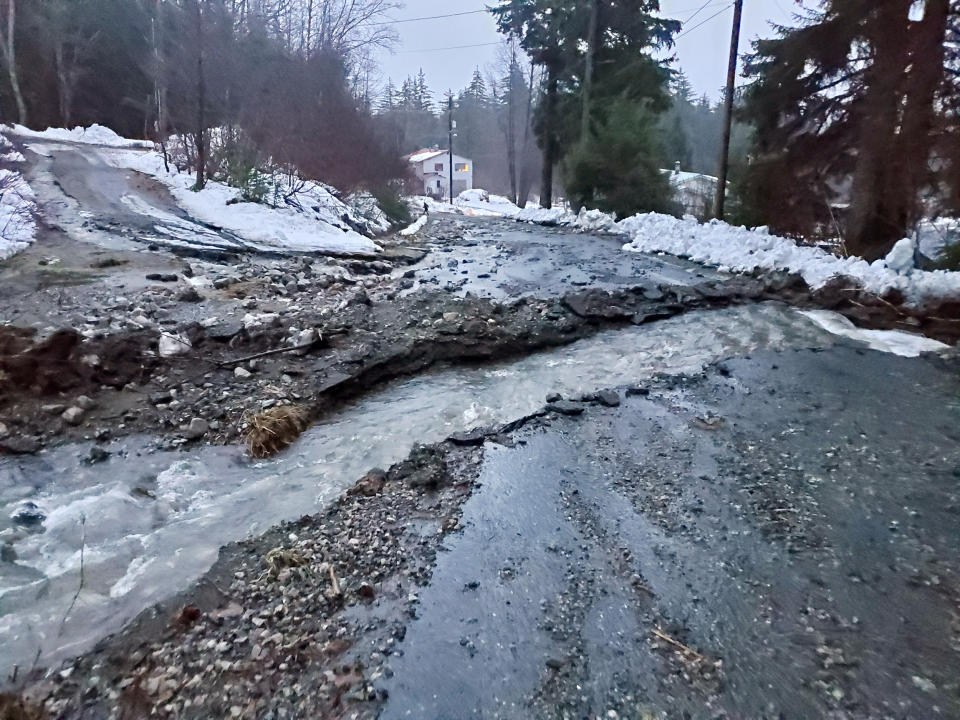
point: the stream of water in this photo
(151, 522)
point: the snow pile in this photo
(93, 135)
(891, 341)
(742, 250)
(18, 228)
(480, 203)
(365, 207)
(543, 216)
(311, 219)
(8, 153)
(415, 227)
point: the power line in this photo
(431, 17)
(698, 11)
(704, 22)
(452, 47)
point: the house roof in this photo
(423, 155)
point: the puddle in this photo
(154, 521)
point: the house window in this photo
(438, 185)
(461, 167)
(438, 167)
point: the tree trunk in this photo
(925, 77)
(511, 126)
(875, 223)
(525, 179)
(549, 139)
(588, 69)
(10, 55)
(200, 132)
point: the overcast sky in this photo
(702, 52)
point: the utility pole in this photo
(728, 109)
(450, 144)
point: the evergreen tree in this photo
(618, 167)
(849, 99)
(388, 101)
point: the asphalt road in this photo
(792, 518)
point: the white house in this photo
(432, 168)
(695, 192)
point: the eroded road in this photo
(729, 512)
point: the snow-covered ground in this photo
(892, 341)
(316, 225)
(740, 249)
(18, 227)
(476, 202)
(93, 135)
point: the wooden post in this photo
(728, 109)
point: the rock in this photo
(566, 407)
(610, 398)
(163, 277)
(173, 345)
(223, 283)
(554, 397)
(476, 436)
(197, 428)
(637, 391)
(97, 455)
(3, 430)
(425, 467)
(73, 415)
(53, 408)
(556, 663)
(310, 336)
(85, 403)
(28, 514)
(594, 304)
(224, 330)
(451, 317)
(189, 294)
(161, 398)
(370, 484)
(20, 445)
(242, 373)
(360, 297)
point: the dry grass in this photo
(13, 707)
(273, 430)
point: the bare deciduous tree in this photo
(8, 50)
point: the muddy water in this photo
(150, 522)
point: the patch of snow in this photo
(93, 135)
(425, 155)
(900, 257)
(415, 227)
(595, 221)
(741, 250)
(478, 202)
(892, 341)
(18, 227)
(310, 220)
(544, 216)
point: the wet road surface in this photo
(503, 259)
(793, 519)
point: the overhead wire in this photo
(704, 22)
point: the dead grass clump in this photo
(273, 430)
(13, 707)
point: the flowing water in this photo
(150, 522)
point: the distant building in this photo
(432, 168)
(695, 192)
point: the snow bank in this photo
(18, 228)
(311, 220)
(415, 227)
(480, 203)
(476, 203)
(742, 250)
(891, 341)
(543, 216)
(93, 135)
